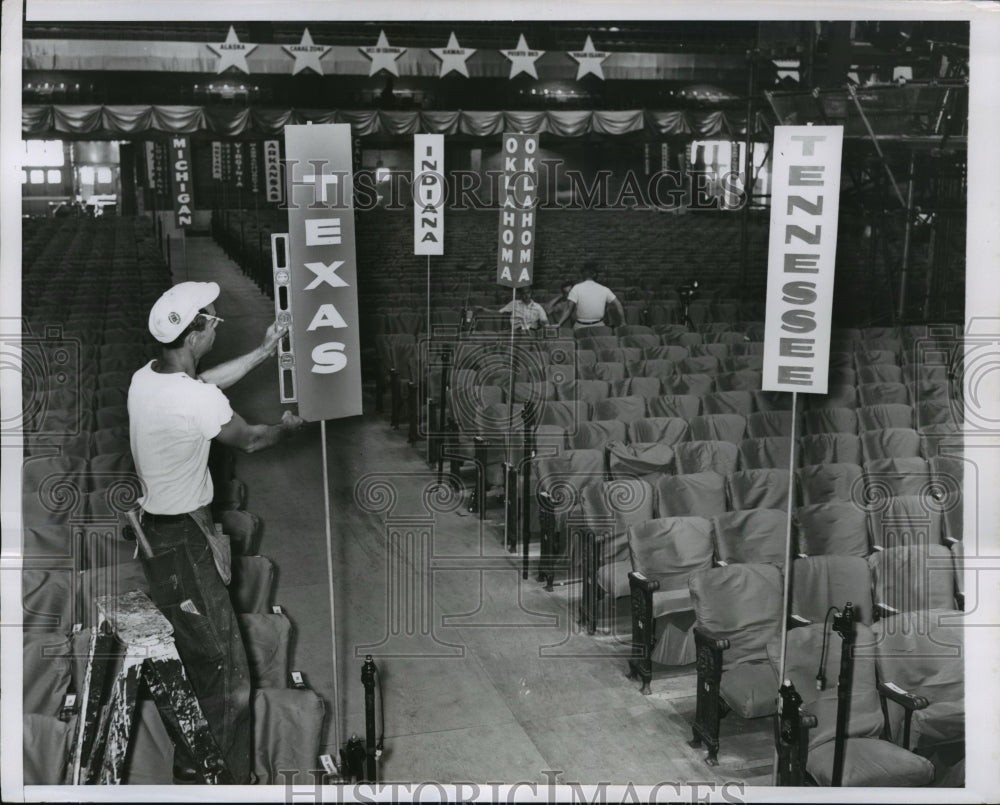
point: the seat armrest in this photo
(884, 610)
(902, 697)
(794, 621)
(703, 636)
(637, 581)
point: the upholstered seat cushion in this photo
(668, 601)
(638, 458)
(613, 577)
(750, 689)
(871, 762)
(940, 722)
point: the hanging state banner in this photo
(238, 164)
(253, 159)
(518, 205)
(216, 160)
(272, 170)
(323, 295)
(181, 179)
(160, 167)
(805, 201)
(150, 163)
(429, 194)
(226, 172)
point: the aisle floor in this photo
(485, 674)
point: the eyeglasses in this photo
(217, 319)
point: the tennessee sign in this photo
(323, 294)
(805, 201)
(518, 203)
(428, 194)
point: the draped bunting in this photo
(42, 121)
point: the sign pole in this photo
(333, 603)
(428, 193)
(509, 434)
(788, 545)
(426, 369)
(805, 203)
(786, 590)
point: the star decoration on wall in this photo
(522, 58)
(383, 56)
(232, 52)
(589, 61)
(307, 55)
(453, 57)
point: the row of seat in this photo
(718, 338)
(55, 659)
(907, 697)
(79, 478)
(924, 404)
(707, 491)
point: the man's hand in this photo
(291, 422)
(273, 335)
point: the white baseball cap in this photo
(177, 307)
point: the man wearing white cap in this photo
(174, 413)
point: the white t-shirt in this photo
(172, 421)
(591, 299)
(525, 316)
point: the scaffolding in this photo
(905, 148)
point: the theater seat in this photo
(750, 536)
(922, 654)
(705, 455)
(664, 552)
(771, 423)
(758, 489)
(830, 448)
(820, 582)
(834, 528)
(638, 459)
(890, 443)
(905, 520)
(684, 406)
(830, 420)
(913, 578)
(718, 427)
(737, 613)
(48, 746)
(287, 732)
(822, 483)
(701, 494)
(596, 434)
(728, 402)
(770, 452)
(868, 761)
(667, 430)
